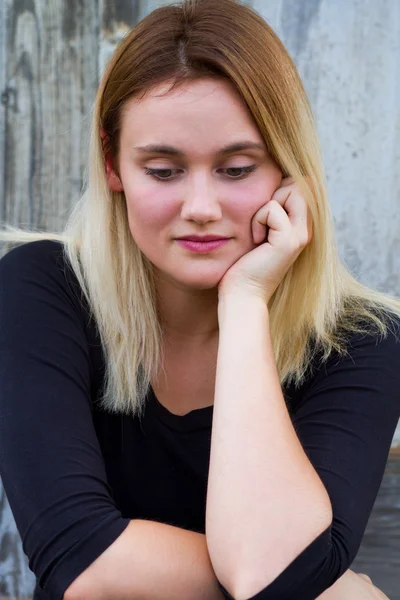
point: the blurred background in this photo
(52, 54)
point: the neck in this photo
(188, 316)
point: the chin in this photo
(198, 281)
(200, 284)
(195, 277)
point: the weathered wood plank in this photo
(3, 58)
(50, 81)
(16, 579)
(117, 18)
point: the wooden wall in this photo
(52, 53)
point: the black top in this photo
(75, 475)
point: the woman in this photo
(220, 424)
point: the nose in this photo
(200, 202)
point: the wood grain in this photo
(51, 74)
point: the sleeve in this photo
(51, 464)
(345, 420)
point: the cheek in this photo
(247, 200)
(148, 208)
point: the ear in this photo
(114, 182)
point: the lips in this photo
(206, 238)
(203, 247)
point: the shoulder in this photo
(363, 347)
(39, 255)
(371, 344)
(370, 359)
(39, 270)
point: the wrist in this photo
(242, 305)
(237, 290)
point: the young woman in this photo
(180, 417)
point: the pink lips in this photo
(202, 247)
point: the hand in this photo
(281, 228)
(353, 586)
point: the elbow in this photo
(69, 594)
(76, 591)
(87, 586)
(244, 584)
(244, 588)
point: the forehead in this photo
(204, 107)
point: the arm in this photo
(150, 561)
(345, 417)
(260, 479)
(51, 462)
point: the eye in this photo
(234, 172)
(159, 173)
(243, 171)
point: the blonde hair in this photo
(318, 303)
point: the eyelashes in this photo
(157, 173)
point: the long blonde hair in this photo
(317, 304)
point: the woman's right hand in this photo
(353, 586)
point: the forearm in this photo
(150, 561)
(265, 501)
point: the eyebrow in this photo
(170, 150)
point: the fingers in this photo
(277, 218)
(290, 199)
(364, 576)
(271, 216)
(286, 210)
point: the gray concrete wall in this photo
(348, 55)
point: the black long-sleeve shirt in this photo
(75, 475)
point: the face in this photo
(192, 187)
